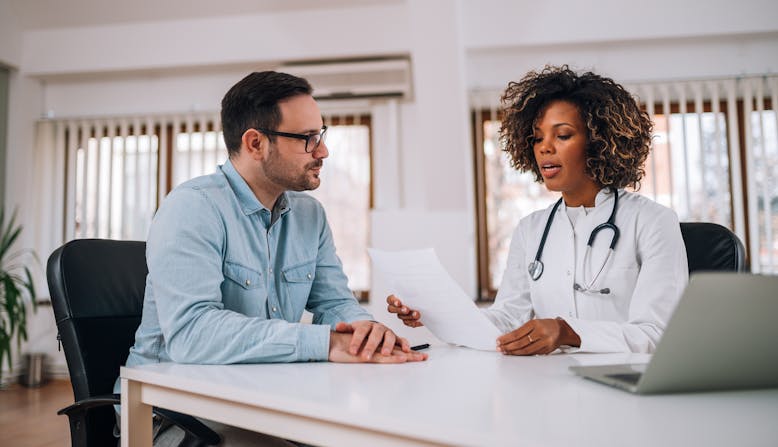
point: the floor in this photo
(28, 416)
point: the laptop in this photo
(723, 335)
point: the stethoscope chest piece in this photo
(535, 269)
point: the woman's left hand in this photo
(538, 337)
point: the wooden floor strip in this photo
(28, 416)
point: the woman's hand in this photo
(408, 316)
(538, 337)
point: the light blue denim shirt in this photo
(227, 284)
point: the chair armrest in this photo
(92, 402)
(190, 425)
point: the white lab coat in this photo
(646, 274)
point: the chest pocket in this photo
(298, 280)
(243, 291)
(243, 276)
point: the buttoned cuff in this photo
(313, 344)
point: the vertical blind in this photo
(714, 159)
(718, 163)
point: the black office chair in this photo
(712, 247)
(97, 291)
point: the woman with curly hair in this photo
(602, 269)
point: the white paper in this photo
(421, 282)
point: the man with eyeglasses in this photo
(236, 256)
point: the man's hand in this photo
(409, 317)
(360, 341)
(538, 337)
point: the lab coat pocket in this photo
(621, 281)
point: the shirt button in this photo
(275, 309)
(248, 282)
(309, 276)
(568, 273)
(271, 269)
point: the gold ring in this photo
(530, 338)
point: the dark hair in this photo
(618, 132)
(253, 103)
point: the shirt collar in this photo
(602, 196)
(280, 208)
(249, 203)
(605, 194)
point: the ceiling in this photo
(45, 14)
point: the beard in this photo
(290, 176)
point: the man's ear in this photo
(254, 143)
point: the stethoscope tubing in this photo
(535, 267)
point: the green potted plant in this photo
(16, 288)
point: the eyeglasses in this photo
(312, 141)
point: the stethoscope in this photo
(535, 267)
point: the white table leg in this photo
(136, 416)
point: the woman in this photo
(602, 269)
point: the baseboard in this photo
(58, 372)
(55, 372)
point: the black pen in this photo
(420, 347)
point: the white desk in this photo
(457, 397)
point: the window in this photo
(504, 196)
(346, 193)
(119, 170)
(197, 150)
(763, 211)
(114, 168)
(694, 181)
(705, 156)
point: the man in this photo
(236, 256)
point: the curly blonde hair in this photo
(618, 132)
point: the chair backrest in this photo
(97, 289)
(712, 247)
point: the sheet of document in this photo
(421, 282)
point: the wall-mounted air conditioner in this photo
(369, 78)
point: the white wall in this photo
(217, 41)
(10, 37)
(502, 23)
(437, 188)
(24, 102)
(423, 169)
(656, 60)
(629, 41)
(128, 93)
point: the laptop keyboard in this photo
(632, 378)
